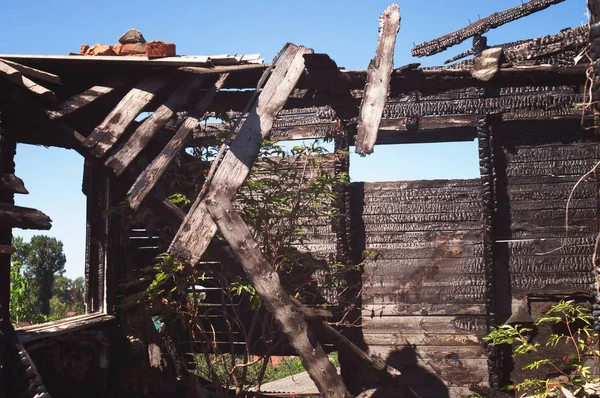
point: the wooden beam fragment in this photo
(11, 183)
(110, 130)
(23, 217)
(150, 176)
(197, 229)
(16, 77)
(378, 81)
(267, 284)
(7, 249)
(34, 73)
(85, 98)
(149, 127)
(480, 27)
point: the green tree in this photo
(42, 258)
(67, 296)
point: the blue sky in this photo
(346, 30)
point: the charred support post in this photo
(267, 284)
(8, 149)
(488, 205)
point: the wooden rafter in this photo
(150, 176)
(101, 140)
(480, 27)
(197, 229)
(378, 81)
(12, 183)
(33, 72)
(149, 127)
(23, 217)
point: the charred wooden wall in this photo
(432, 295)
(424, 298)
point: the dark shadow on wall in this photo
(419, 379)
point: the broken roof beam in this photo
(13, 184)
(378, 81)
(153, 124)
(23, 217)
(480, 27)
(568, 39)
(197, 229)
(105, 135)
(13, 75)
(150, 176)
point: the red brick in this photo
(100, 49)
(83, 49)
(138, 49)
(159, 49)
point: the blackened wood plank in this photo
(396, 251)
(374, 292)
(23, 217)
(7, 249)
(150, 176)
(12, 183)
(110, 130)
(433, 270)
(266, 282)
(480, 27)
(440, 340)
(34, 73)
(16, 77)
(378, 81)
(85, 98)
(197, 229)
(151, 125)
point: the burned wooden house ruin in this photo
(459, 257)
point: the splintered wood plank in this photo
(34, 73)
(378, 81)
(23, 217)
(150, 176)
(149, 127)
(12, 183)
(267, 284)
(197, 229)
(16, 77)
(85, 98)
(480, 27)
(110, 130)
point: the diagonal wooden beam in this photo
(16, 77)
(34, 73)
(150, 176)
(197, 229)
(85, 98)
(480, 27)
(378, 81)
(105, 135)
(149, 127)
(267, 284)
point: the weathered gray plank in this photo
(85, 98)
(378, 81)
(150, 176)
(427, 324)
(197, 229)
(110, 130)
(400, 309)
(398, 338)
(432, 270)
(375, 293)
(151, 125)
(12, 183)
(23, 217)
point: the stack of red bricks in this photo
(131, 43)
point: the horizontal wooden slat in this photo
(373, 293)
(427, 324)
(12, 183)
(380, 310)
